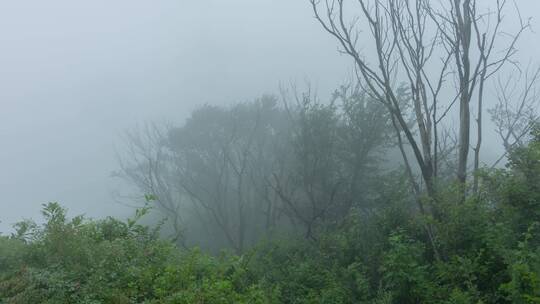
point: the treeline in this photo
(490, 249)
(231, 176)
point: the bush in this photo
(109, 261)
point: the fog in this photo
(75, 74)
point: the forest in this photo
(380, 193)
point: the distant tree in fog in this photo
(215, 166)
(242, 172)
(222, 158)
(334, 152)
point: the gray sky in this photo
(75, 74)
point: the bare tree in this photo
(427, 46)
(516, 111)
(443, 52)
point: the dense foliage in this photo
(109, 261)
(489, 245)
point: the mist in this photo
(76, 75)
